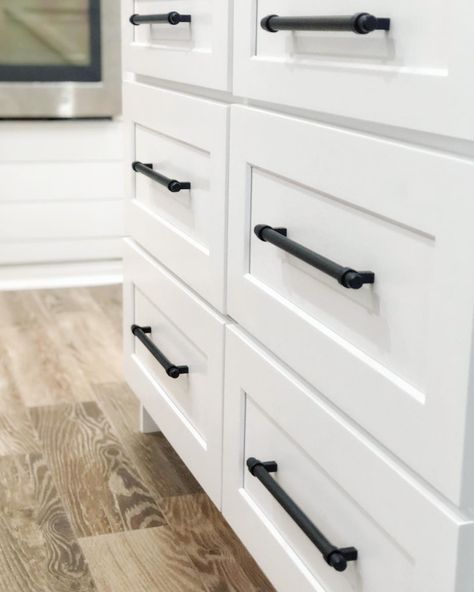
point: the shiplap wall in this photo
(61, 202)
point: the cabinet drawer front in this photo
(194, 52)
(406, 540)
(188, 408)
(406, 76)
(185, 230)
(379, 352)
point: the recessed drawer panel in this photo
(178, 184)
(174, 363)
(343, 259)
(179, 40)
(357, 239)
(316, 59)
(402, 538)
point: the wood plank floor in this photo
(87, 502)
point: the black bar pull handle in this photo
(360, 23)
(347, 277)
(172, 18)
(336, 557)
(171, 184)
(172, 370)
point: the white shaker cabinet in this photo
(171, 141)
(161, 313)
(354, 494)
(184, 41)
(394, 355)
(299, 285)
(415, 75)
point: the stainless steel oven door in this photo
(60, 58)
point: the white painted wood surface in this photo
(361, 146)
(61, 141)
(195, 53)
(61, 199)
(412, 76)
(61, 181)
(50, 221)
(61, 274)
(354, 494)
(147, 424)
(187, 409)
(394, 356)
(185, 139)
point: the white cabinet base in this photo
(147, 423)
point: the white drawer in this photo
(410, 76)
(184, 138)
(193, 52)
(187, 409)
(405, 538)
(394, 355)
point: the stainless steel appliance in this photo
(59, 58)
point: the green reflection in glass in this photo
(44, 32)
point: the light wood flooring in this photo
(87, 503)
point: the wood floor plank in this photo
(216, 553)
(18, 308)
(92, 342)
(60, 355)
(22, 546)
(10, 399)
(41, 371)
(27, 307)
(17, 435)
(52, 303)
(142, 561)
(160, 466)
(97, 481)
(38, 550)
(240, 553)
(120, 405)
(67, 567)
(109, 299)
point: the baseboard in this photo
(60, 275)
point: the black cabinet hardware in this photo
(336, 557)
(172, 370)
(347, 277)
(360, 23)
(172, 18)
(171, 184)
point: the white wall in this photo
(61, 202)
